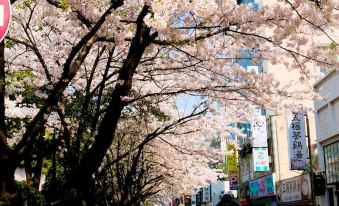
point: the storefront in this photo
(267, 201)
(262, 191)
(294, 191)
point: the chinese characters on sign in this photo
(297, 141)
(259, 132)
(294, 189)
(260, 159)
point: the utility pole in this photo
(310, 156)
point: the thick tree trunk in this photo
(28, 169)
(3, 137)
(78, 182)
(8, 193)
(37, 171)
(7, 187)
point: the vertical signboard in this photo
(294, 189)
(198, 198)
(259, 132)
(234, 183)
(206, 194)
(297, 142)
(193, 200)
(260, 159)
(232, 159)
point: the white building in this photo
(327, 124)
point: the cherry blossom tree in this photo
(148, 165)
(77, 68)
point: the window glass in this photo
(332, 162)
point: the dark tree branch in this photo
(3, 133)
(86, 103)
(93, 158)
(101, 91)
(73, 63)
(310, 22)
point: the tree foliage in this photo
(88, 72)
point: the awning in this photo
(307, 203)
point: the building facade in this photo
(327, 122)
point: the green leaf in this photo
(332, 46)
(64, 4)
(27, 3)
(20, 75)
(9, 44)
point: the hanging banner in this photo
(294, 189)
(232, 159)
(262, 187)
(260, 159)
(259, 132)
(198, 198)
(193, 200)
(206, 194)
(297, 142)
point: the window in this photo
(332, 162)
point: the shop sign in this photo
(234, 183)
(232, 159)
(294, 189)
(198, 198)
(262, 187)
(206, 194)
(193, 200)
(297, 142)
(259, 132)
(260, 159)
